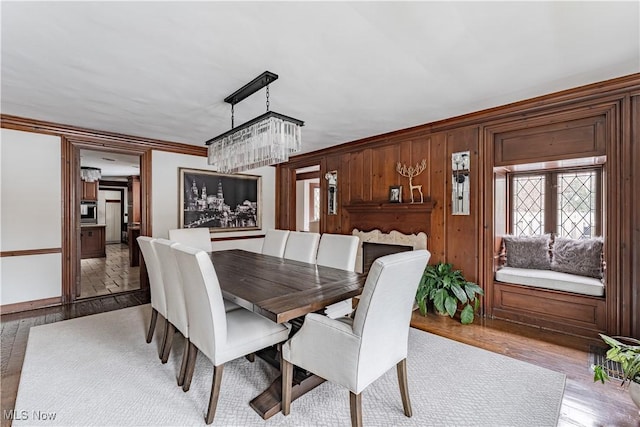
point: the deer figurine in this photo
(411, 172)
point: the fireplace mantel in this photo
(390, 208)
(404, 217)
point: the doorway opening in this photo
(308, 199)
(108, 263)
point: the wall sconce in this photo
(460, 163)
(332, 205)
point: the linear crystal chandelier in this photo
(265, 140)
(90, 174)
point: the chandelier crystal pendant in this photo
(90, 174)
(265, 140)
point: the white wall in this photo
(165, 181)
(302, 224)
(31, 215)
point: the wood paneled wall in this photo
(366, 168)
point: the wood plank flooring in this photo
(15, 331)
(584, 404)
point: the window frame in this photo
(551, 196)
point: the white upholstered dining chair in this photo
(156, 286)
(274, 242)
(195, 237)
(221, 336)
(302, 246)
(355, 352)
(176, 307)
(338, 251)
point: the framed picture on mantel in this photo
(219, 202)
(395, 194)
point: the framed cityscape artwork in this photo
(219, 202)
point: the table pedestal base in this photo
(269, 402)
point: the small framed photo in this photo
(395, 194)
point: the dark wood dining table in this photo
(282, 290)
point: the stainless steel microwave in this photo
(88, 213)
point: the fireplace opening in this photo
(373, 251)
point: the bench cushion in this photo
(551, 280)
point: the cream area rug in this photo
(99, 371)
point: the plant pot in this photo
(634, 392)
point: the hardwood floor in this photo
(15, 331)
(585, 403)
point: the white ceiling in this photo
(348, 69)
(112, 165)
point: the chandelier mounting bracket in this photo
(252, 87)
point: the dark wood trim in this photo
(223, 239)
(111, 183)
(25, 252)
(29, 305)
(71, 196)
(426, 207)
(71, 192)
(87, 135)
(307, 175)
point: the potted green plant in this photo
(445, 288)
(626, 353)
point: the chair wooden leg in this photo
(165, 333)
(183, 365)
(171, 329)
(404, 389)
(191, 365)
(287, 376)
(355, 403)
(215, 393)
(152, 324)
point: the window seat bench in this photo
(539, 296)
(548, 279)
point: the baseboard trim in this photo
(30, 305)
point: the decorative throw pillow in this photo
(582, 257)
(528, 251)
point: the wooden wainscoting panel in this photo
(561, 311)
(563, 140)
